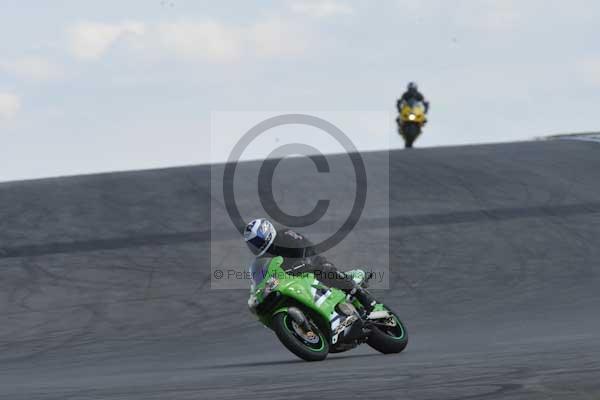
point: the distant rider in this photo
(299, 255)
(412, 93)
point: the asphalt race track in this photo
(105, 286)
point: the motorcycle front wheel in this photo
(410, 132)
(309, 346)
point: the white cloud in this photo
(320, 8)
(205, 40)
(32, 68)
(493, 15)
(209, 40)
(10, 104)
(590, 69)
(278, 37)
(90, 40)
(490, 16)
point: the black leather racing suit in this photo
(299, 257)
(412, 94)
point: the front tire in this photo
(389, 339)
(291, 336)
(410, 132)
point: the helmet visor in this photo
(258, 245)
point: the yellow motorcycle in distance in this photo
(411, 120)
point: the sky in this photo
(118, 85)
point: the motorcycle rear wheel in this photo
(389, 340)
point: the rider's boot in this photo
(365, 298)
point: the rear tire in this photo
(283, 326)
(389, 340)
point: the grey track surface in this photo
(105, 286)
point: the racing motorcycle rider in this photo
(412, 93)
(299, 256)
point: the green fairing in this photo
(299, 289)
(274, 293)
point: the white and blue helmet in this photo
(259, 235)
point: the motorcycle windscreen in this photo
(415, 103)
(258, 269)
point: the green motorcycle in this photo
(312, 320)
